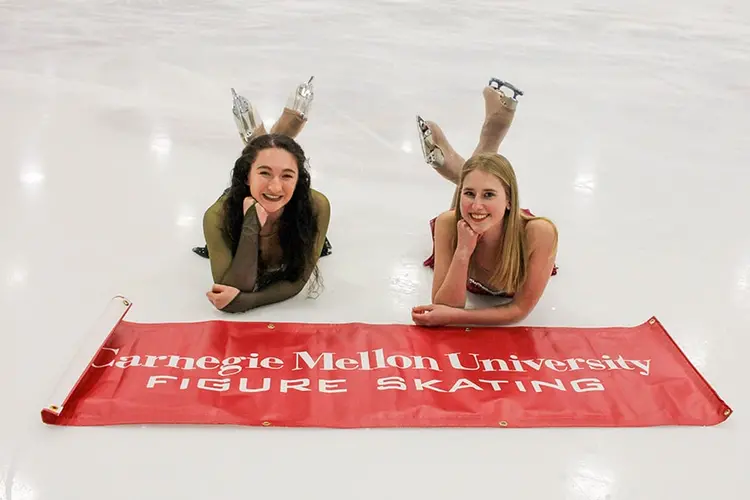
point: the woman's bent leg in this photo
(499, 111)
(296, 112)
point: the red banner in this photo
(364, 375)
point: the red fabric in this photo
(471, 287)
(537, 377)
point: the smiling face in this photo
(273, 178)
(483, 201)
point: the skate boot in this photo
(202, 251)
(499, 111)
(437, 151)
(432, 153)
(509, 101)
(327, 248)
(246, 118)
(296, 112)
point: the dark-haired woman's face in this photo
(272, 178)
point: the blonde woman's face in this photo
(483, 200)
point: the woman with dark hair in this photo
(266, 232)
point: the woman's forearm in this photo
(243, 270)
(491, 316)
(452, 291)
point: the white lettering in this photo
(252, 361)
(610, 363)
(175, 360)
(591, 384)
(644, 365)
(272, 363)
(214, 384)
(111, 363)
(266, 385)
(538, 384)
(386, 383)
(516, 363)
(537, 365)
(420, 386)
(305, 356)
(573, 362)
(502, 365)
(301, 384)
(419, 363)
(347, 364)
(158, 379)
(231, 366)
(399, 361)
(495, 383)
(558, 366)
(331, 386)
(595, 364)
(455, 361)
(463, 383)
(151, 361)
(202, 363)
(379, 358)
(127, 361)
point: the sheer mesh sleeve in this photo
(241, 270)
(283, 290)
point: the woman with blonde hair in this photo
(485, 243)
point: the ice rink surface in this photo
(116, 134)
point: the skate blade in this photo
(498, 84)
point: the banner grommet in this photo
(503, 423)
(266, 424)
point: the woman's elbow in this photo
(444, 300)
(518, 313)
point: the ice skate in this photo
(202, 251)
(437, 151)
(246, 118)
(296, 112)
(499, 111)
(511, 101)
(432, 153)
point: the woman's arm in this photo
(241, 270)
(542, 240)
(283, 290)
(451, 268)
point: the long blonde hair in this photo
(511, 266)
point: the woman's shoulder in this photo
(541, 232)
(446, 219)
(321, 203)
(319, 198)
(215, 212)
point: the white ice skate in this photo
(433, 155)
(245, 117)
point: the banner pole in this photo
(88, 347)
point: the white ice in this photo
(116, 134)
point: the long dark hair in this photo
(298, 227)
